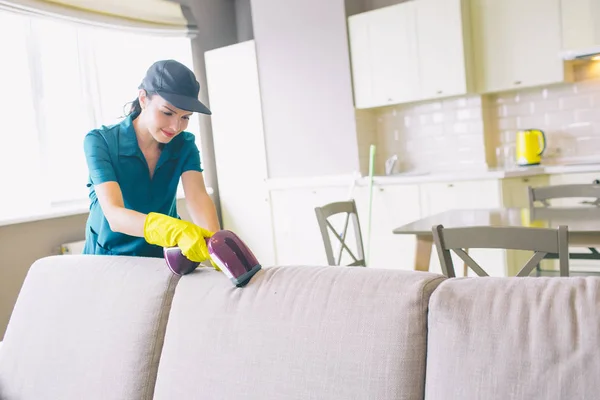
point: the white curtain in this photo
(161, 17)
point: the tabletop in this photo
(580, 220)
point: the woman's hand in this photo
(166, 231)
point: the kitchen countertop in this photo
(416, 178)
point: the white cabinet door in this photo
(393, 206)
(580, 24)
(440, 197)
(516, 44)
(442, 58)
(297, 236)
(239, 143)
(384, 53)
(394, 54)
(362, 74)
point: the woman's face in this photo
(163, 120)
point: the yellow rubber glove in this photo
(166, 231)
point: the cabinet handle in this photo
(517, 82)
(450, 185)
(390, 99)
(440, 91)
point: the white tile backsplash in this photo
(569, 115)
(457, 133)
(425, 136)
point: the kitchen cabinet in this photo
(580, 24)
(296, 232)
(515, 191)
(384, 56)
(393, 206)
(437, 197)
(516, 44)
(443, 196)
(238, 142)
(411, 51)
(444, 54)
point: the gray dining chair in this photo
(541, 241)
(544, 194)
(324, 214)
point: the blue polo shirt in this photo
(113, 154)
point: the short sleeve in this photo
(192, 158)
(98, 158)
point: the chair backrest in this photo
(545, 193)
(329, 210)
(541, 241)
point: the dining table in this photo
(583, 225)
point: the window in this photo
(61, 81)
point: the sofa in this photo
(113, 327)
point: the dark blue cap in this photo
(176, 83)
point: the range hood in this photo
(586, 53)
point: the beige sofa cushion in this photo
(87, 327)
(514, 338)
(297, 333)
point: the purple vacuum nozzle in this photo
(226, 250)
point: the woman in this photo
(135, 167)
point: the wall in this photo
(306, 88)
(464, 132)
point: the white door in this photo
(393, 42)
(441, 48)
(241, 160)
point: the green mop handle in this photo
(371, 172)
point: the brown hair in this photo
(134, 106)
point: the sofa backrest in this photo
(514, 338)
(87, 327)
(298, 333)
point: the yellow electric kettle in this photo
(531, 144)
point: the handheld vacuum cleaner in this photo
(226, 250)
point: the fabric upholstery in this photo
(514, 338)
(297, 333)
(87, 327)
